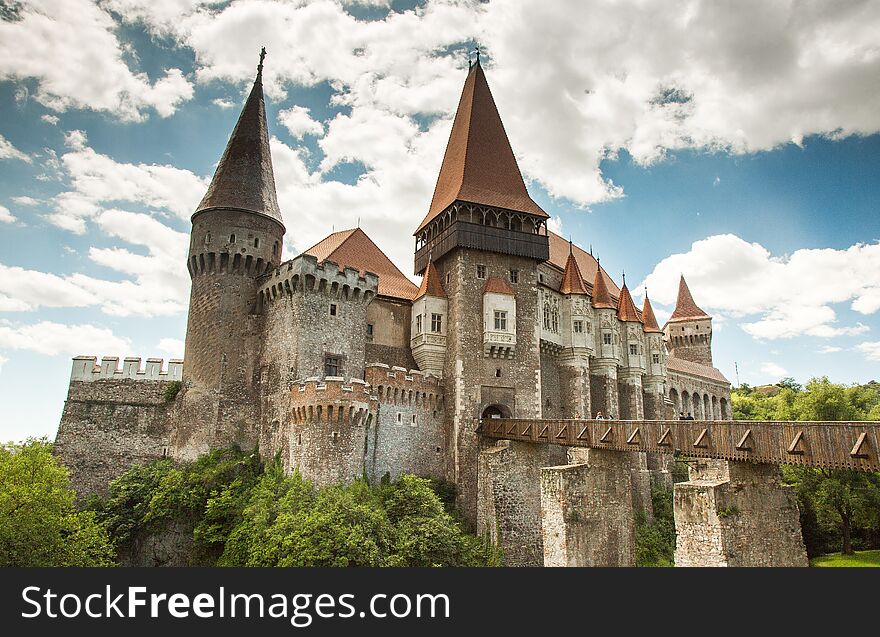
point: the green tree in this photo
(39, 522)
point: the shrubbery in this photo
(243, 515)
(39, 523)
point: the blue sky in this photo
(739, 148)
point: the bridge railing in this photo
(832, 445)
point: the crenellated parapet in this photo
(399, 386)
(304, 274)
(87, 369)
(332, 400)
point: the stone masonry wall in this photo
(108, 426)
(408, 435)
(737, 514)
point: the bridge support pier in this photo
(509, 498)
(587, 515)
(736, 514)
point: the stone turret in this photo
(574, 358)
(429, 323)
(689, 330)
(654, 380)
(604, 367)
(237, 233)
(633, 355)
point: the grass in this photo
(861, 558)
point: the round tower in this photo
(237, 233)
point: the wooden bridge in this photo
(831, 445)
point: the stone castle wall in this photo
(114, 418)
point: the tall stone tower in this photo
(485, 236)
(237, 233)
(689, 330)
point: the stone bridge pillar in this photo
(736, 514)
(587, 509)
(509, 498)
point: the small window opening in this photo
(333, 309)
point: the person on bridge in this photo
(681, 416)
(689, 416)
(599, 416)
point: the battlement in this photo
(332, 399)
(226, 263)
(304, 274)
(397, 385)
(87, 369)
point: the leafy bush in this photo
(171, 390)
(39, 522)
(655, 539)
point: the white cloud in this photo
(299, 123)
(3, 361)
(97, 179)
(172, 346)
(71, 49)
(222, 103)
(793, 294)
(52, 339)
(871, 350)
(829, 349)
(50, 119)
(772, 369)
(5, 215)
(8, 151)
(26, 201)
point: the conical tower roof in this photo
(685, 307)
(431, 285)
(479, 166)
(601, 296)
(244, 179)
(626, 309)
(572, 280)
(648, 317)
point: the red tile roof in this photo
(431, 284)
(694, 369)
(244, 179)
(354, 249)
(601, 296)
(498, 286)
(648, 317)
(479, 165)
(587, 264)
(685, 307)
(572, 281)
(626, 309)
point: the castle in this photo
(338, 363)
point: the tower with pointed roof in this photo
(689, 329)
(237, 234)
(484, 235)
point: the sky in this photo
(737, 143)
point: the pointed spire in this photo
(244, 179)
(431, 284)
(601, 296)
(626, 309)
(479, 166)
(572, 280)
(648, 317)
(685, 307)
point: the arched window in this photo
(551, 315)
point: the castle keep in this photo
(340, 364)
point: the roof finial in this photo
(570, 249)
(477, 51)
(646, 291)
(591, 249)
(260, 65)
(359, 222)
(624, 279)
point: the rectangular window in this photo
(514, 276)
(655, 358)
(447, 278)
(333, 309)
(418, 324)
(332, 366)
(500, 321)
(578, 327)
(413, 420)
(633, 349)
(369, 329)
(481, 271)
(606, 338)
(436, 323)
